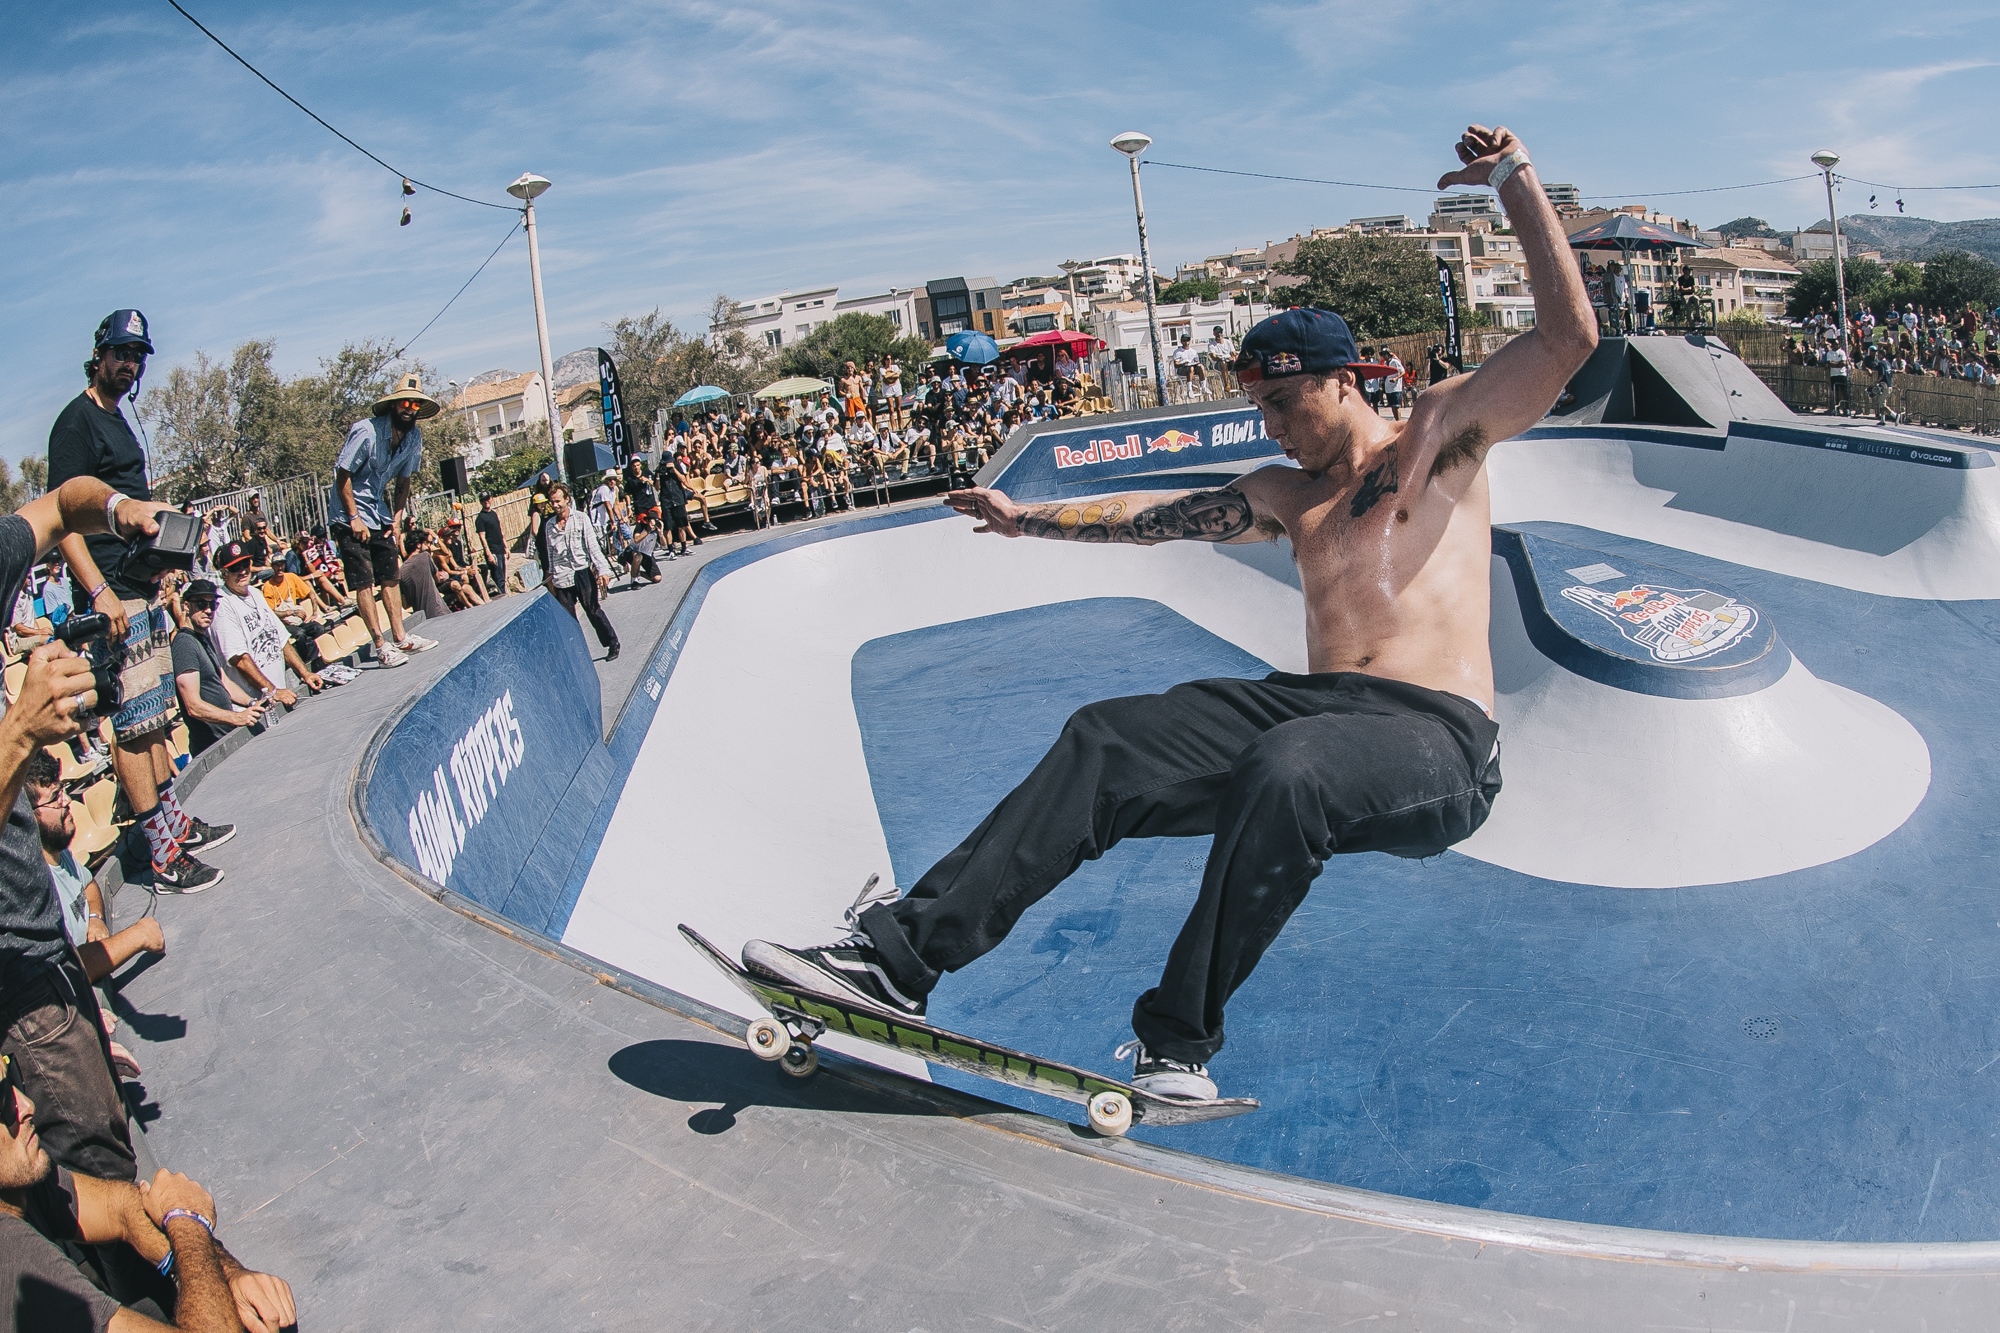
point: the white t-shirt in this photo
(68, 886)
(248, 625)
(1221, 349)
(601, 501)
(1185, 355)
(1396, 379)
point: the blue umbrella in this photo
(974, 349)
(701, 393)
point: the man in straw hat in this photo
(381, 451)
(1386, 743)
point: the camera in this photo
(172, 547)
(86, 636)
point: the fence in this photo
(292, 505)
(1921, 400)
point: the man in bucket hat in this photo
(382, 453)
(91, 438)
(1387, 741)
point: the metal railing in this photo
(289, 506)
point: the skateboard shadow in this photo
(702, 1071)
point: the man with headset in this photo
(91, 438)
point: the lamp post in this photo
(1826, 159)
(1132, 143)
(526, 189)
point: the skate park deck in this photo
(1701, 1020)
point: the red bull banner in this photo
(1054, 458)
(1173, 440)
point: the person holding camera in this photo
(381, 452)
(49, 1020)
(91, 439)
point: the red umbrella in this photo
(1080, 345)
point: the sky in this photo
(698, 148)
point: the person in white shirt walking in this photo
(578, 572)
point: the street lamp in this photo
(1826, 159)
(1132, 143)
(526, 190)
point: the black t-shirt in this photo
(487, 525)
(259, 547)
(31, 928)
(193, 651)
(41, 1265)
(640, 492)
(88, 441)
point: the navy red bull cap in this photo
(121, 327)
(1304, 340)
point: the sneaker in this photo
(849, 967)
(184, 874)
(611, 653)
(388, 655)
(202, 835)
(1166, 1078)
(417, 643)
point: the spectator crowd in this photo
(1910, 344)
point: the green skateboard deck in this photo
(798, 1016)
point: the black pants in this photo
(56, 1038)
(584, 592)
(1284, 772)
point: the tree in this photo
(1816, 287)
(14, 494)
(509, 471)
(1191, 289)
(1747, 226)
(851, 337)
(729, 358)
(643, 347)
(1954, 279)
(1382, 285)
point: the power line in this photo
(1264, 176)
(1907, 189)
(1628, 194)
(336, 133)
(512, 228)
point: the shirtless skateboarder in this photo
(1387, 744)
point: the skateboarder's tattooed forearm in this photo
(1201, 516)
(1468, 446)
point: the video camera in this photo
(172, 547)
(86, 636)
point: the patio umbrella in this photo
(1628, 233)
(701, 393)
(974, 349)
(799, 386)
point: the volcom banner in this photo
(615, 433)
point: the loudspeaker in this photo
(1128, 360)
(457, 477)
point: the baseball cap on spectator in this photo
(121, 327)
(200, 590)
(1302, 341)
(235, 553)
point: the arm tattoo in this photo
(1468, 446)
(1200, 516)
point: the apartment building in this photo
(496, 404)
(788, 316)
(1742, 278)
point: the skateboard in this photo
(799, 1016)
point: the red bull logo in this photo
(1173, 442)
(1101, 451)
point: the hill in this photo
(1920, 238)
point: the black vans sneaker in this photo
(850, 968)
(184, 874)
(1166, 1078)
(202, 835)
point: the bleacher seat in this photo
(15, 675)
(329, 648)
(91, 837)
(101, 799)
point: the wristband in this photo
(1506, 167)
(166, 1264)
(190, 1213)
(92, 595)
(111, 503)
(92, 916)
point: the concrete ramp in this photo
(1692, 381)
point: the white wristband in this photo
(111, 503)
(1506, 167)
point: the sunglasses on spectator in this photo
(10, 1111)
(58, 799)
(131, 352)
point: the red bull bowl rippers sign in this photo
(1222, 435)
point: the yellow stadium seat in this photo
(15, 674)
(91, 837)
(329, 648)
(177, 739)
(101, 798)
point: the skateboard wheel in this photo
(767, 1038)
(1110, 1114)
(799, 1060)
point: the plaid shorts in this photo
(148, 677)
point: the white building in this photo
(496, 404)
(1386, 222)
(1123, 323)
(1113, 277)
(783, 319)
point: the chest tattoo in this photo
(1380, 481)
